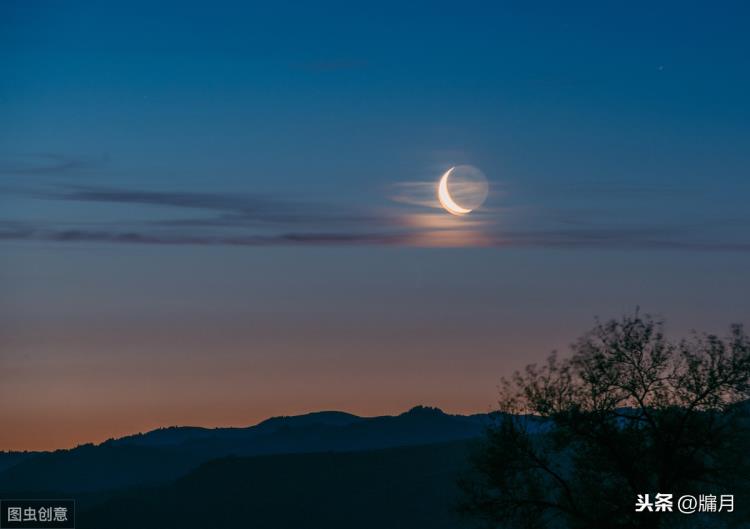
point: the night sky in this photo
(212, 213)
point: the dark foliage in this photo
(630, 412)
(406, 488)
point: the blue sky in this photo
(224, 174)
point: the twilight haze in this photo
(213, 213)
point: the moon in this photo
(445, 198)
(462, 189)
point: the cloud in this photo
(41, 164)
(572, 239)
(136, 237)
(225, 219)
(228, 209)
(424, 194)
(416, 194)
(646, 238)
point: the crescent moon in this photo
(445, 198)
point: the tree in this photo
(629, 412)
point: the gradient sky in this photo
(216, 212)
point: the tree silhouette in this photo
(629, 412)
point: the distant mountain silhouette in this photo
(177, 435)
(168, 453)
(397, 488)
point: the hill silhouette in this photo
(168, 453)
(404, 487)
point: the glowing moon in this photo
(469, 191)
(445, 198)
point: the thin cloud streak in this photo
(572, 239)
(416, 193)
(46, 164)
(259, 220)
(231, 209)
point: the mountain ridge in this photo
(323, 417)
(167, 453)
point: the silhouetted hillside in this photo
(168, 453)
(91, 468)
(413, 487)
(9, 459)
(177, 435)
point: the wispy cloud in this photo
(41, 164)
(226, 209)
(415, 193)
(225, 219)
(571, 239)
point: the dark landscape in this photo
(339, 469)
